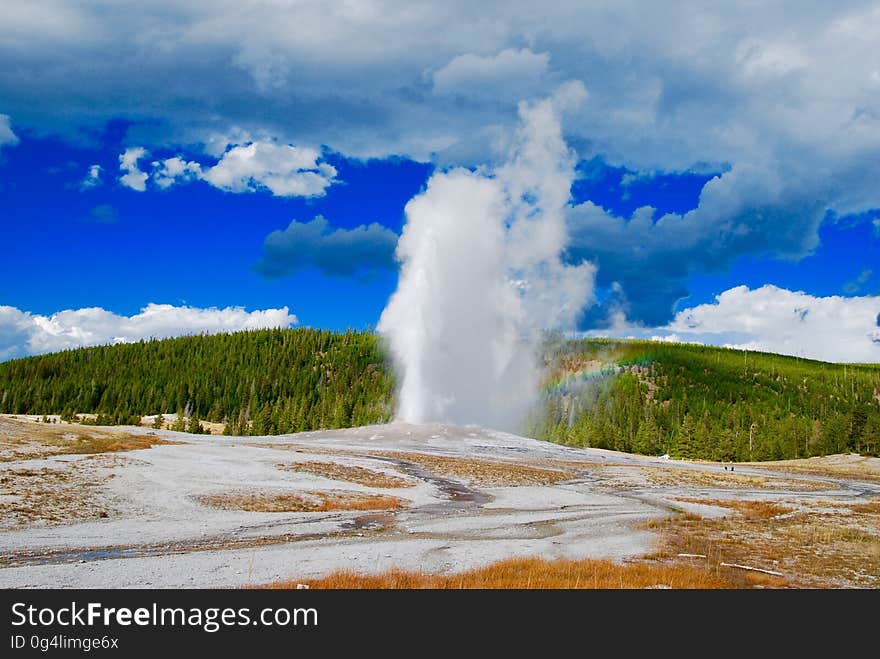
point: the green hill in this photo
(637, 396)
(258, 382)
(702, 402)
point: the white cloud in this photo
(132, 176)
(772, 319)
(673, 86)
(745, 211)
(92, 178)
(23, 333)
(758, 91)
(286, 170)
(283, 169)
(7, 137)
(171, 170)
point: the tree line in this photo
(258, 382)
(635, 396)
(709, 403)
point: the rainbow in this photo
(569, 383)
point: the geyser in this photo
(481, 276)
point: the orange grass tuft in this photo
(749, 509)
(518, 573)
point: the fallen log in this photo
(751, 569)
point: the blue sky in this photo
(180, 156)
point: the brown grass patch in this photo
(748, 509)
(26, 440)
(484, 473)
(352, 474)
(533, 573)
(812, 547)
(678, 477)
(868, 508)
(305, 502)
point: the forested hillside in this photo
(258, 382)
(637, 396)
(701, 402)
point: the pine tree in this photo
(195, 427)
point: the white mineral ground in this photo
(158, 533)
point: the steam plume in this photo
(481, 276)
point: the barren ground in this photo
(133, 507)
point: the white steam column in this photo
(481, 276)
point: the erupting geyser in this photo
(481, 275)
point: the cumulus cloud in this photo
(287, 171)
(340, 252)
(23, 333)
(93, 178)
(172, 170)
(282, 169)
(785, 103)
(718, 83)
(647, 260)
(7, 137)
(132, 176)
(772, 319)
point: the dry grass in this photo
(813, 546)
(305, 502)
(534, 573)
(867, 508)
(484, 473)
(748, 509)
(50, 495)
(855, 467)
(212, 427)
(26, 440)
(352, 474)
(678, 477)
